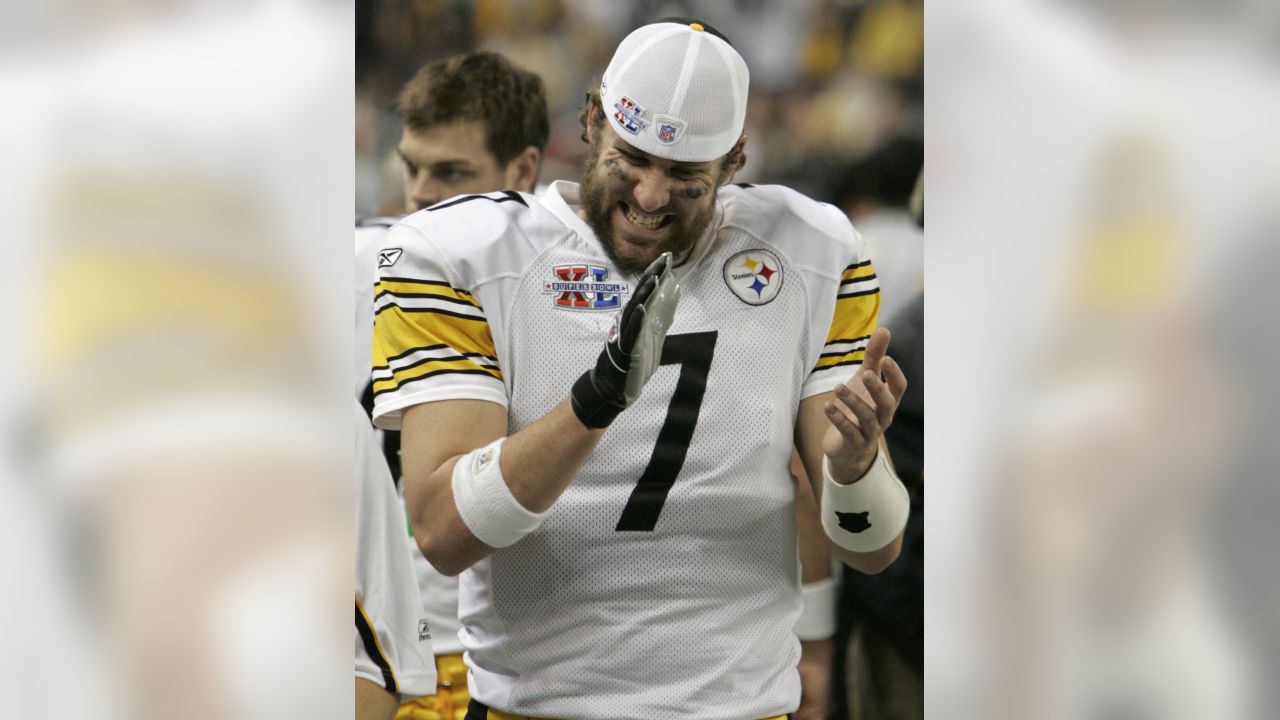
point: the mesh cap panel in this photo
(676, 92)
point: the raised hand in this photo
(862, 410)
(633, 350)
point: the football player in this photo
(472, 123)
(624, 518)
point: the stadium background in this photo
(831, 80)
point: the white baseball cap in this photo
(676, 91)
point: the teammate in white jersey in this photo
(392, 639)
(473, 123)
(624, 521)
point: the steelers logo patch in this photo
(755, 276)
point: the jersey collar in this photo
(561, 198)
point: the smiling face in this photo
(640, 205)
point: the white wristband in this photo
(484, 501)
(818, 614)
(868, 514)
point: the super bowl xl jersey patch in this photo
(664, 582)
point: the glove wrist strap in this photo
(591, 407)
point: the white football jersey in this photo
(392, 639)
(664, 582)
(439, 592)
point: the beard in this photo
(599, 199)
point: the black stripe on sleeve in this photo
(860, 293)
(416, 281)
(839, 364)
(371, 646)
(435, 311)
(456, 301)
(849, 340)
(851, 281)
(399, 384)
(445, 358)
(406, 353)
(855, 266)
(841, 353)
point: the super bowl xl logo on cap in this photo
(755, 276)
(583, 287)
(628, 115)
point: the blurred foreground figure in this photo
(190, 453)
(1107, 588)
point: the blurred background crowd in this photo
(832, 81)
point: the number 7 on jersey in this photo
(693, 353)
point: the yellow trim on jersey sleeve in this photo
(855, 318)
(397, 333)
(854, 356)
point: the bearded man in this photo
(623, 518)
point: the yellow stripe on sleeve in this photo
(404, 287)
(853, 356)
(396, 332)
(854, 317)
(455, 342)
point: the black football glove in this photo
(633, 351)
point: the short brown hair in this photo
(734, 160)
(484, 86)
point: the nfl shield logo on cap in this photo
(668, 128)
